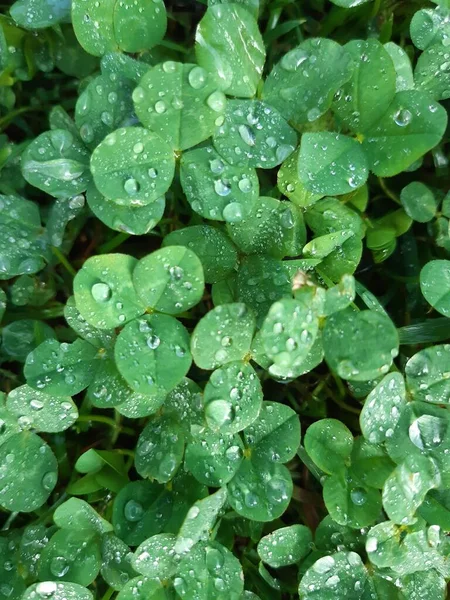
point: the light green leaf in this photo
(435, 285)
(402, 66)
(302, 85)
(41, 411)
(418, 201)
(75, 514)
(133, 165)
(233, 397)
(57, 591)
(331, 163)
(373, 348)
(156, 557)
(229, 45)
(329, 444)
(411, 126)
(285, 546)
(179, 102)
(152, 354)
(170, 280)
(104, 291)
(212, 246)
(28, 470)
(254, 134)
(112, 25)
(61, 369)
(57, 163)
(223, 335)
(382, 408)
(216, 189)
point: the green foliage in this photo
(224, 300)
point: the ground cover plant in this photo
(225, 300)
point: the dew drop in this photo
(101, 292)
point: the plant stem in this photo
(113, 243)
(63, 260)
(106, 421)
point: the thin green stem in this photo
(113, 243)
(106, 421)
(63, 260)
(389, 193)
(303, 456)
(108, 594)
(9, 521)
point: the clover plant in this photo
(224, 300)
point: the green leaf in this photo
(101, 338)
(331, 163)
(71, 556)
(324, 245)
(156, 557)
(142, 588)
(229, 45)
(141, 509)
(363, 100)
(429, 26)
(209, 571)
(108, 387)
(212, 246)
(254, 134)
(137, 405)
(61, 369)
(216, 189)
(285, 546)
(330, 536)
(185, 404)
(104, 291)
(373, 348)
(223, 335)
(271, 227)
(57, 591)
(233, 397)
(29, 472)
(57, 163)
(118, 64)
(432, 72)
(340, 296)
(290, 185)
(405, 489)
(152, 354)
(116, 562)
(382, 408)
(123, 217)
(37, 14)
(427, 375)
(336, 577)
(261, 281)
(159, 450)
(213, 458)
(411, 126)
(134, 164)
(75, 514)
(104, 105)
(275, 435)
(370, 463)
(41, 411)
(329, 444)
(179, 102)
(21, 337)
(423, 430)
(200, 520)
(114, 25)
(170, 280)
(350, 503)
(402, 65)
(418, 201)
(302, 84)
(435, 285)
(251, 5)
(261, 490)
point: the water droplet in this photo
(87, 133)
(324, 564)
(216, 166)
(133, 511)
(176, 273)
(36, 404)
(197, 78)
(403, 117)
(49, 480)
(59, 566)
(358, 496)
(138, 95)
(245, 185)
(160, 107)
(131, 186)
(247, 135)
(46, 589)
(169, 66)
(233, 213)
(138, 148)
(101, 292)
(153, 341)
(217, 101)
(221, 187)
(219, 413)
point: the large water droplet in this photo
(293, 59)
(247, 135)
(133, 511)
(403, 117)
(131, 186)
(59, 566)
(219, 413)
(197, 78)
(101, 292)
(233, 212)
(49, 480)
(216, 101)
